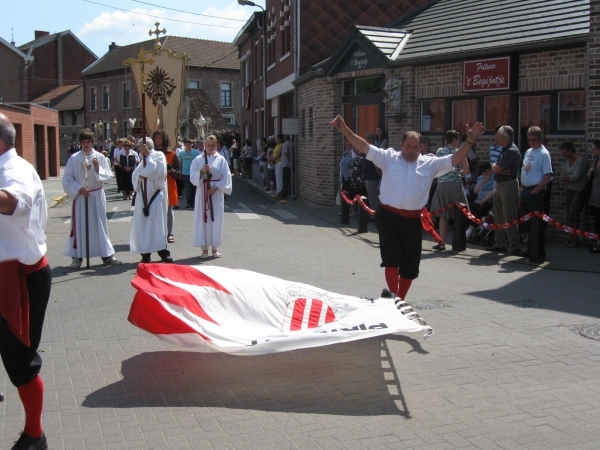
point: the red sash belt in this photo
(73, 221)
(206, 183)
(14, 296)
(426, 221)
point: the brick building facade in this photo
(298, 35)
(212, 77)
(37, 136)
(551, 84)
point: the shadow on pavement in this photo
(536, 290)
(354, 379)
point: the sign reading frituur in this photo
(486, 74)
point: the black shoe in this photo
(166, 259)
(27, 442)
(517, 252)
(188, 206)
(146, 258)
(385, 293)
(175, 207)
(496, 248)
(524, 254)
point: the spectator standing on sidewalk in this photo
(116, 158)
(372, 177)
(405, 181)
(185, 158)
(450, 186)
(536, 173)
(26, 280)
(594, 200)
(574, 176)
(506, 193)
(286, 164)
(73, 178)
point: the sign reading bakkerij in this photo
(486, 74)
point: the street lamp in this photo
(264, 60)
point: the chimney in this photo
(112, 46)
(39, 34)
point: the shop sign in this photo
(486, 74)
(359, 59)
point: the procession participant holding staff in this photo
(149, 226)
(405, 182)
(76, 175)
(162, 144)
(210, 173)
(26, 280)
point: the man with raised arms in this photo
(405, 182)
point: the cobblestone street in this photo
(513, 362)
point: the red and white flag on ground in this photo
(243, 312)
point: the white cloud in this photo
(125, 28)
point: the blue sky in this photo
(97, 24)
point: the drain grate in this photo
(428, 305)
(587, 331)
(527, 303)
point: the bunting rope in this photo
(489, 226)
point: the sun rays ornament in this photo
(159, 73)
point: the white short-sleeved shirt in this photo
(406, 185)
(117, 155)
(536, 164)
(22, 237)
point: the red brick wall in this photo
(26, 117)
(11, 74)
(319, 155)
(43, 73)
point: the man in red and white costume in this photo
(25, 279)
(405, 182)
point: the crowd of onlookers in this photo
(501, 188)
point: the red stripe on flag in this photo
(330, 317)
(148, 314)
(298, 314)
(146, 280)
(182, 274)
(315, 313)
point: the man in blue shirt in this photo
(536, 173)
(185, 158)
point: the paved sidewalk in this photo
(55, 194)
(558, 257)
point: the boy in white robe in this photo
(149, 232)
(208, 233)
(73, 181)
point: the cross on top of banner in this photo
(157, 32)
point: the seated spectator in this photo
(484, 190)
(426, 143)
(574, 176)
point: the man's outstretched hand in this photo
(474, 133)
(338, 123)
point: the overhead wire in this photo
(189, 12)
(161, 18)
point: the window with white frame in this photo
(226, 95)
(229, 119)
(194, 84)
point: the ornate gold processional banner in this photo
(160, 74)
